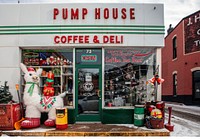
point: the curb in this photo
(67, 133)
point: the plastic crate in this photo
(9, 114)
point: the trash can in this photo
(61, 118)
(139, 115)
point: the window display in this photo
(56, 61)
(126, 73)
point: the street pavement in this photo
(184, 111)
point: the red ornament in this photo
(48, 91)
(31, 69)
(50, 75)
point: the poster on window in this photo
(192, 33)
(136, 56)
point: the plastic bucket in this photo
(139, 115)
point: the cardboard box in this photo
(9, 114)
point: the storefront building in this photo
(102, 54)
(180, 62)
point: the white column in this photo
(159, 62)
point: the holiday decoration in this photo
(58, 61)
(42, 62)
(5, 95)
(156, 113)
(36, 103)
(50, 79)
(48, 91)
(51, 60)
(156, 80)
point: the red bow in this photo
(157, 79)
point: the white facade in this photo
(43, 25)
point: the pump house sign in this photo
(73, 24)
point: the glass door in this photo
(88, 93)
(88, 82)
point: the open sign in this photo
(89, 58)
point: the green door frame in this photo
(88, 117)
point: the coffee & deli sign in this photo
(98, 14)
(85, 24)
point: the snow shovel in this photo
(17, 124)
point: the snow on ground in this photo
(39, 129)
(183, 127)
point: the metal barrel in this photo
(61, 118)
(139, 115)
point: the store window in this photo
(56, 61)
(175, 84)
(125, 76)
(174, 43)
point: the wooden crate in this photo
(9, 114)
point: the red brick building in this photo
(181, 62)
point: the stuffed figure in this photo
(36, 103)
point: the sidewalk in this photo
(90, 129)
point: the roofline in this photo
(181, 21)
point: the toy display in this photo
(36, 103)
(45, 59)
